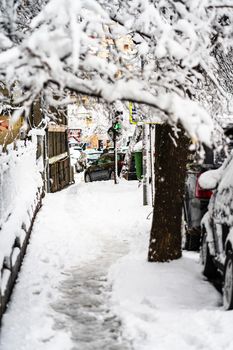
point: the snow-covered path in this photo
(61, 300)
(84, 303)
(86, 285)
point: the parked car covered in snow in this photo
(217, 228)
(196, 200)
(81, 162)
(87, 158)
(75, 152)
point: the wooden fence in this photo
(60, 173)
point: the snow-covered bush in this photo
(20, 180)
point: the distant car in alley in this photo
(75, 152)
(92, 155)
(196, 199)
(86, 158)
(103, 168)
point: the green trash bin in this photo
(138, 164)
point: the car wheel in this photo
(87, 178)
(209, 269)
(228, 282)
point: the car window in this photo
(109, 158)
(105, 160)
(101, 161)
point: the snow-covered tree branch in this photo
(75, 45)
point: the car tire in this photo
(228, 282)
(209, 269)
(87, 178)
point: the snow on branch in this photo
(137, 50)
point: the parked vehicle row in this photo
(196, 201)
(103, 167)
(87, 160)
(75, 153)
(208, 213)
(217, 228)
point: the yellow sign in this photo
(135, 117)
(132, 113)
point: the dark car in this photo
(195, 205)
(217, 229)
(86, 158)
(196, 201)
(103, 168)
(92, 155)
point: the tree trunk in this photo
(170, 169)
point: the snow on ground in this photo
(85, 282)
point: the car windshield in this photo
(93, 156)
(105, 159)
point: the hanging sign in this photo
(135, 116)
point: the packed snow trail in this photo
(61, 301)
(84, 304)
